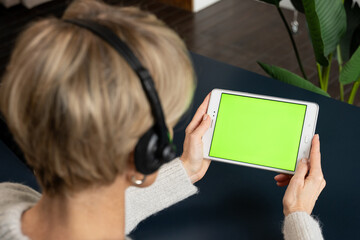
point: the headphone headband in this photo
(165, 149)
(123, 49)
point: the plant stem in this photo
(341, 91)
(340, 63)
(326, 74)
(354, 91)
(320, 74)
(292, 42)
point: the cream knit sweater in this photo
(171, 186)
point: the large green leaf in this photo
(273, 2)
(327, 23)
(353, 21)
(351, 71)
(286, 76)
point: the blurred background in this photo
(236, 32)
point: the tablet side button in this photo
(211, 124)
(306, 139)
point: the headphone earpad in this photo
(145, 156)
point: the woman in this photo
(78, 111)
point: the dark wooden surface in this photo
(183, 4)
(236, 32)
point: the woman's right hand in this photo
(307, 183)
(192, 157)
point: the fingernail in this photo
(318, 136)
(304, 160)
(205, 117)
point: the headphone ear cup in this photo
(145, 156)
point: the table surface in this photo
(236, 202)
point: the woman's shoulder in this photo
(15, 193)
(14, 200)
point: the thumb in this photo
(302, 169)
(203, 126)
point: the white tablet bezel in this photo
(307, 134)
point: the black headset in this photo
(154, 148)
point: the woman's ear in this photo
(130, 170)
(135, 178)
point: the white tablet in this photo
(259, 131)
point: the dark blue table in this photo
(244, 203)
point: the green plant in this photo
(334, 29)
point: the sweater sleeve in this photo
(301, 226)
(171, 186)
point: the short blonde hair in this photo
(74, 105)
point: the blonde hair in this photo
(74, 105)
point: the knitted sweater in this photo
(172, 185)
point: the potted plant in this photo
(334, 29)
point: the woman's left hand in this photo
(192, 157)
(307, 183)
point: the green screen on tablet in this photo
(258, 131)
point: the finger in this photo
(301, 169)
(198, 115)
(204, 125)
(282, 177)
(315, 156)
(283, 184)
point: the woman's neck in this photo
(92, 214)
